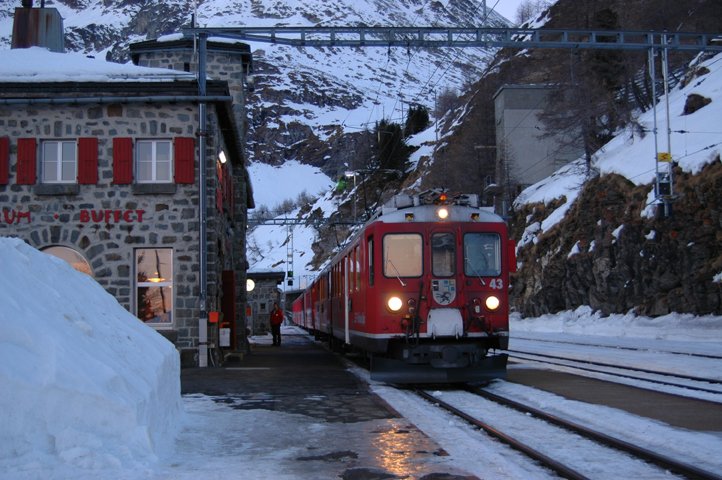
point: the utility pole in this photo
(202, 227)
(663, 186)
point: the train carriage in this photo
(422, 288)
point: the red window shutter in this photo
(27, 161)
(87, 161)
(220, 186)
(4, 160)
(219, 200)
(184, 161)
(122, 161)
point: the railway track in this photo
(688, 382)
(617, 347)
(534, 433)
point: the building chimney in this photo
(38, 27)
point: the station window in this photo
(154, 285)
(154, 161)
(59, 162)
(74, 258)
(402, 255)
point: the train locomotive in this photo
(422, 289)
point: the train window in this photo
(370, 255)
(443, 254)
(343, 277)
(351, 270)
(332, 282)
(357, 267)
(402, 255)
(482, 254)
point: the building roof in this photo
(36, 75)
(39, 65)
(268, 275)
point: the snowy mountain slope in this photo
(309, 105)
(321, 88)
(694, 145)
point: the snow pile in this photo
(585, 321)
(85, 384)
(37, 64)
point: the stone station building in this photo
(100, 165)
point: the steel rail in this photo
(675, 466)
(548, 462)
(617, 347)
(516, 353)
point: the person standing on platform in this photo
(276, 321)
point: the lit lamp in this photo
(157, 278)
(222, 157)
(250, 285)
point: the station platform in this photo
(290, 378)
(302, 405)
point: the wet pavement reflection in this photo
(313, 419)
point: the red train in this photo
(422, 288)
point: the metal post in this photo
(665, 76)
(289, 259)
(653, 76)
(203, 312)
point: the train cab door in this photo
(445, 316)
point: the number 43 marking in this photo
(496, 284)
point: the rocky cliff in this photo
(606, 255)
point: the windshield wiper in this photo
(398, 275)
(475, 272)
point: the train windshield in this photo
(443, 254)
(402, 255)
(482, 254)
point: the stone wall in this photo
(107, 222)
(230, 63)
(607, 255)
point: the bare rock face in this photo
(607, 255)
(694, 102)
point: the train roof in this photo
(424, 207)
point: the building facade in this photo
(101, 165)
(263, 292)
(526, 152)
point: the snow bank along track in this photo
(542, 431)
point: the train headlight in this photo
(394, 304)
(492, 302)
(442, 213)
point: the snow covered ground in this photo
(82, 400)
